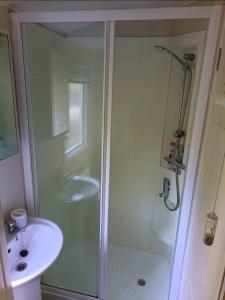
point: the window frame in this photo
(78, 147)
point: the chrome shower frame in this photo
(213, 13)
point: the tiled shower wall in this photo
(141, 76)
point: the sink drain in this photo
(21, 267)
(141, 282)
(23, 253)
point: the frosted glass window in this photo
(74, 139)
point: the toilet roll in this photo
(19, 215)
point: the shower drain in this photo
(21, 267)
(141, 282)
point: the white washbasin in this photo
(80, 188)
(43, 240)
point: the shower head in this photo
(163, 49)
(187, 56)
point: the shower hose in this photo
(178, 193)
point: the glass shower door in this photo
(137, 269)
(64, 80)
(146, 103)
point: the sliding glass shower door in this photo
(147, 99)
(64, 81)
(65, 67)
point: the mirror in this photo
(8, 135)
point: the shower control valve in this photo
(179, 134)
(166, 189)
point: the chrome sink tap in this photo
(11, 226)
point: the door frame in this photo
(213, 13)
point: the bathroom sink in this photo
(80, 188)
(33, 250)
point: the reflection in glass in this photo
(65, 75)
(75, 137)
(8, 138)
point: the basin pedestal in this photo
(28, 291)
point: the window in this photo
(74, 139)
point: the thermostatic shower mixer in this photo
(166, 189)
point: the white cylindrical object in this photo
(19, 215)
(210, 228)
(27, 291)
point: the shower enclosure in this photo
(102, 106)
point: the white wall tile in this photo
(122, 139)
(139, 101)
(150, 103)
(147, 142)
(127, 72)
(123, 109)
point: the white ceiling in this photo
(67, 28)
(47, 5)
